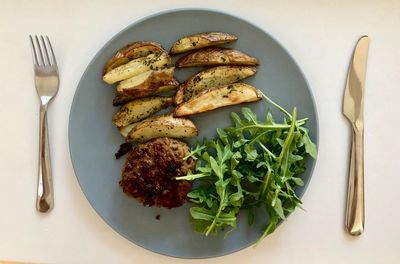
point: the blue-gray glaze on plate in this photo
(93, 139)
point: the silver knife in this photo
(353, 109)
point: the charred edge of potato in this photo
(162, 126)
(216, 56)
(153, 88)
(121, 99)
(214, 98)
(139, 109)
(179, 96)
(201, 40)
(137, 66)
(132, 51)
(212, 77)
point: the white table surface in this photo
(320, 35)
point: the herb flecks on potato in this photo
(216, 56)
(140, 109)
(201, 40)
(212, 77)
(214, 98)
(162, 126)
(132, 51)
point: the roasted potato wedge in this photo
(212, 77)
(137, 66)
(132, 51)
(147, 83)
(162, 126)
(126, 129)
(216, 56)
(208, 100)
(201, 40)
(139, 109)
(121, 99)
(166, 88)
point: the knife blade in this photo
(353, 109)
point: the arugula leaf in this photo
(222, 135)
(298, 181)
(235, 160)
(218, 170)
(278, 208)
(249, 115)
(251, 153)
(311, 148)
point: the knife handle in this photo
(355, 189)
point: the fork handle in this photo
(355, 190)
(45, 198)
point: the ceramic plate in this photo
(93, 139)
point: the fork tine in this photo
(44, 48)
(39, 51)
(34, 55)
(50, 49)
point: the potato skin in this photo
(162, 126)
(121, 99)
(212, 77)
(140, 109)
(201, 40)
(216, 56)
(132, 51)
(137, 66)
(211, 99)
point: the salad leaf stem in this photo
(212, 226)
(280, 108)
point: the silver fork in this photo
(47, 83)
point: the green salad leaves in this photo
(254, 163)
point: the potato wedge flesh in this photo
(167, 88)
(126, 129)
(133, 81)
(213, 77)
(211, 99)
(149, 80)
(137, 66)
(162, 126)
(139, 109)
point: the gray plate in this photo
(93, 139)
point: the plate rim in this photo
(177, 10)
